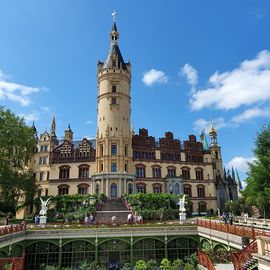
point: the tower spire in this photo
(53, 128)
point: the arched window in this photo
(199, 173)
(186, 173)
(63, 189)
(97, 188)
(188, 190)
(140, 171)
(130, 189)
(113, 190)
(171, 171)
(83, 189)
(64, 172)
(156, 170)
(141, 187)
(177, 188)
(157, 188)
(201, 191)
(202, 207)
(84, 171)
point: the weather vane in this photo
(114, 16)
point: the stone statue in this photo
(44, 207)
(181, 204)
(182, 209)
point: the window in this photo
(41, 176)
(83, 172)
(46, 192)
(202, 207)
(63, 189)
(186, 173)
(114, 88)
(83, 189)
(201, 191)
(97, 188)
(199, 174)
(101, 167)
(130, 188)
(114, 167)
(64, 172)
(43, 148)
(126, 150)
(140, 172)
(141, 188)
(113, 101)
(188, 190)
(48, 176)
(114, 63)
(156, 172)
(114, 149)
(39, 192)
(101, 149)
(126, 167)
(171, 172)
(42, 161)
(157, 188)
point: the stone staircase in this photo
(112, 207)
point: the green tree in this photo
(257, 191)
(17, 145)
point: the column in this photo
(60, 254)
(107, 187)
(120, 187)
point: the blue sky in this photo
(190, 59)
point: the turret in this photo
(68, 134)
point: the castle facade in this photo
(119, 161)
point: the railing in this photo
(263, 245)
(15, 263)
(204, 260)
(244, 255)
(12, 229)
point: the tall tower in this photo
(113, 139)
(215, 150)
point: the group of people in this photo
(134, 218)
(89, 220)
(227, 218)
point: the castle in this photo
(119, 161)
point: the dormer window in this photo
(114, 63)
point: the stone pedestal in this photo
(182, 217)
(42, 220)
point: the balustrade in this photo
(12, 229)
(263, 245)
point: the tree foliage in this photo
(257, 191)
(17, 144)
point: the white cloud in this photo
(154, 76)
(45, 109)
(219, 123)
(16, 92)
(89, 122)
(246, 85)
(251, 114)
(240, 163)
(30, 117)
(191, 75)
